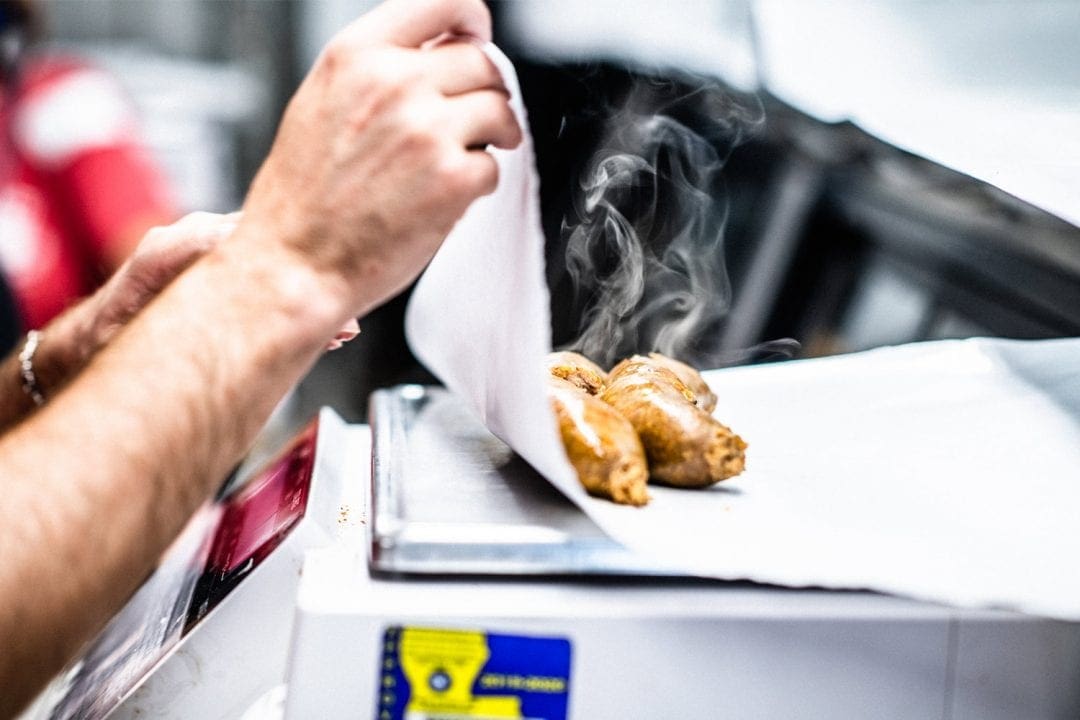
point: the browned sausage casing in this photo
(578, 369)
(704, 397)
(600, 443)
(685, 446)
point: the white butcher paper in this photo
(479, 316)
(947, 471)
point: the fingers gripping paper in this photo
(479, 316)
(946, 471)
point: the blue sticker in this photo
(430, 673)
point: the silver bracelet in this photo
(26, 368)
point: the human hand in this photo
(381, 150)
(74, 337)
(162, 254)
(159, 258)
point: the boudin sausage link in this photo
(600, 444)
(685, 446)
(578, 369)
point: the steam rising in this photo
(645, 241)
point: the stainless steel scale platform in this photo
(449, 498)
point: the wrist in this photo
(304, 238)
(277, 281)
(26, 368)
(61, 352)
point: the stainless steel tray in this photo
(450, 498)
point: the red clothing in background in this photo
(74, 183)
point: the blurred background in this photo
(873, 173)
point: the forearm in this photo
(147, 431)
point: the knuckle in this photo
(155, 236)
(335, 54)
(390, 69)
(419, 141)
(419, 134)
(487, 176)
(481, 66)
(199, 218)
(381, 84)
(359, 67)
(465, 176)
(450, 6)
(476, 8)
(450, 177)
(508, 123)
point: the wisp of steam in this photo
(645, 238)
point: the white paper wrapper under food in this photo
(946, 471)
